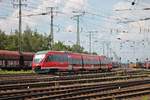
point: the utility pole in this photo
(107, 44)
(77, 18)
(103, 43)
(52, 26)
(78, 28)
(20, 26)
(90, 40)
(20, 23)
(108, 49)
(78, 34)
(90, 37)
(52, 35)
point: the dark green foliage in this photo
(32, 41)
(3, 38)
(77, 48)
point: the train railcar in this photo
(146, 65)
(115, 64)
(136, 65)
(14, 60)
(27, 58)
(52, 61)
(91, 62)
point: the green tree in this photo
(77, 48)
(59, 46)
(3, 38)
(12, 42)
(34, 41)
(94, 53)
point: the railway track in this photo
(114, 71)
(95, 86)
(74, 91)
(26, 78)
(125, 92)
(6, 79)
(62, 81)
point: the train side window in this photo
(70, 60)
(95, 61)
(58, 58)
(50, 58)
(92, 61)
(65, 58)
(81, 61)
(73, 61)
(78, 61)
(85, 61)
(62, 58)
(88, 61)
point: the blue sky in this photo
(128, 40)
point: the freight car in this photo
(53, 61)
(146, 65)
(14, 60)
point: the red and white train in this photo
(53, 61)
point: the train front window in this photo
(38, 58)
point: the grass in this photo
(15, 72)
(145, 98)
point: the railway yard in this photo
(74, 50)
(120, 84)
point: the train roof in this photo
(7, 52)
(71, 54)
(49, 51)
(43, 52)
(28, 53)
(14, 54)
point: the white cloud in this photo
(136, 31)
(122, 5)
(11, 22)
(70, 5)
(70, 28)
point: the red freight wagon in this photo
(5, 54)
(14, 60)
